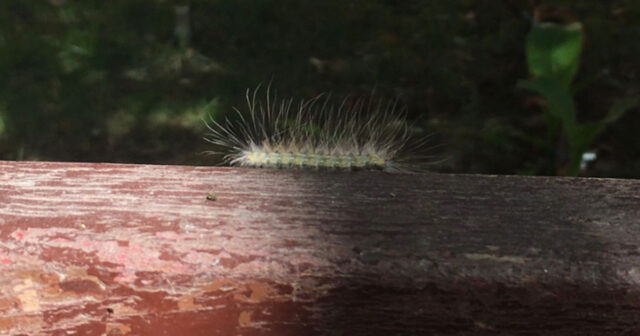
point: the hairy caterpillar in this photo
(281, 133)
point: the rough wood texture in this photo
(108, 249)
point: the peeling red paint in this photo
(26, 324)
(19, 235)
(117, 329)
(169, 235)
(99, 249)
(186, 302)
(244, 319)
(259, 291)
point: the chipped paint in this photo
(27, 324)
(136, 249)
(117, 329)
(186, 302)
(244, 319)
(27, 295)
(258, 292)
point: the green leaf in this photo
(553, 51)
(580, 138)
(559, 101)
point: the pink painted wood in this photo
(112, 249)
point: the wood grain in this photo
(111, 249)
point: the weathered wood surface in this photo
(109, 249)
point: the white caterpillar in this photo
(357, 134)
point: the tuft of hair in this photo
(364, 133)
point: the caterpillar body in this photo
(366, 133)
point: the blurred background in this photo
(505, 87)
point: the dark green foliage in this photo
(115, 81)
(553, 58)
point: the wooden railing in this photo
(111, 249)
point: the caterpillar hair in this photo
(365, 133)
